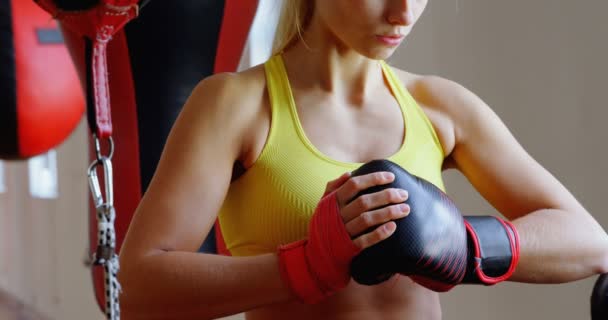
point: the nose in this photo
(400, 13)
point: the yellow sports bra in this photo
(272, 202)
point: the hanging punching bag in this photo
(153, 64)
(171, 47)
(41, 100)
(88, 27)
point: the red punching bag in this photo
(153, 63)
(41, 100)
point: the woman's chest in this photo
(353, 133)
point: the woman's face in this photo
(374, 28)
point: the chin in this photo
(379, 53)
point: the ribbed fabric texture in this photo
(272, 202)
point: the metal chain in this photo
(105, 253)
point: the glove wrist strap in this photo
(493, 245)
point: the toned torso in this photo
(350, 132)
(399, 298)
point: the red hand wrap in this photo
(319, 266)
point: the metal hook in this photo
(94, 185)
(98, 147)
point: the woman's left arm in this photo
(560, 240)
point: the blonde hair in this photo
(295, 16)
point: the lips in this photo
(395, 36)
(391, 40)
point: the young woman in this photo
(269, 151)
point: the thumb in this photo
(336, 183)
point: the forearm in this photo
(559, 246)
(186, 285)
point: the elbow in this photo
(141, 297)
(134, 295)
(598, 245)
(603, 269)
(603, 263)
(130, 312)
(138, 301)
(130, 308)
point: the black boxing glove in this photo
(434, 244)
(431, 242)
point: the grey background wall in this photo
(540, 65)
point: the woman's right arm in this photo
(162, 274)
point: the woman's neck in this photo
(322, 62)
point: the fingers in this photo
(381, 233)
(369, 210)
(354, 185)
(335, 184)
(376, 217)
(368, 202)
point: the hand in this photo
(375, 210)
(429, 244)
(319, 266)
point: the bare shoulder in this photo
(195, 169)
(235, 94)
(231, 102)
(446, 103)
